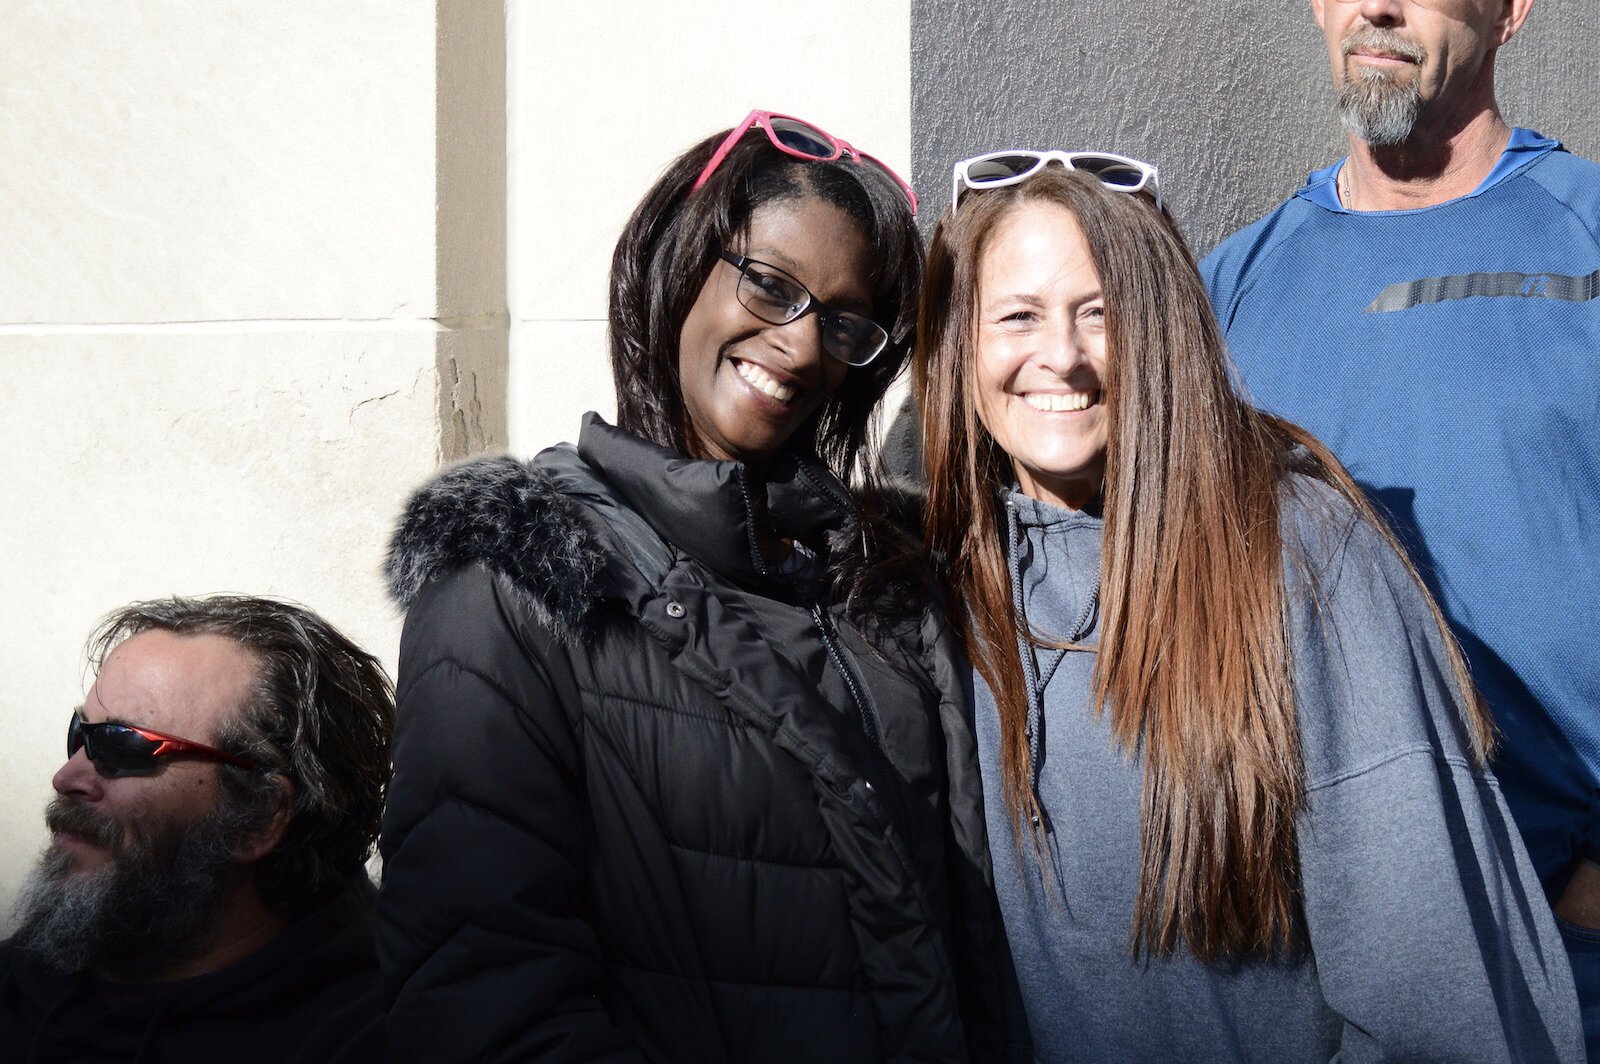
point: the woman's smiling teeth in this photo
(764, 382)
(1055, 402)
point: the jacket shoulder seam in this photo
(471, 670)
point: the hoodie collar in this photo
(1054, 557)
(1031, 513)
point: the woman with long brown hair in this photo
(1235, 775)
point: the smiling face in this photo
(1041, 354)
(748, 386)
(1433, 58)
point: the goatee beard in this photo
(152, 907)
(1374, 103)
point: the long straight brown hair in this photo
(1194, 662)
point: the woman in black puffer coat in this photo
(683, 768)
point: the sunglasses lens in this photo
(999, 168)
(801, 138)
(115, 750)
(1113, 172)
(125, 752)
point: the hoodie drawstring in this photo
(1025, 652)
(1030, 669)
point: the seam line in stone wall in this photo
(491, 322)
(516, 250)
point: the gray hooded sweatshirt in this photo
(1430, 939)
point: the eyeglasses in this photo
(998, 168)
(776, 298)
(126, 750)
(797, 137)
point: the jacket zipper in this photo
(869, 722)
(819, 617)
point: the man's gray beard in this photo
(153, 907)
(1377, 108)
(1374, 104)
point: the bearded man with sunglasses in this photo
(204, 896)
(1430, 307)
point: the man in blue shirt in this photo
(1430, 307)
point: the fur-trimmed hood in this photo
(508, 515)
(564, 527)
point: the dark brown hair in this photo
(1191, 500)
(662, 260)
(670, 246)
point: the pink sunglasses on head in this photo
(797, 137)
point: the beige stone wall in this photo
(251, 291)
(255, 279)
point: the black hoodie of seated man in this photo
(310, 996)
(203, 896)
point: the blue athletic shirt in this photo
(1450, 356)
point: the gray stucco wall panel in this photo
(1232, 99)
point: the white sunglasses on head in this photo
(999, 168)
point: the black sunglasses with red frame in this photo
(128, 750)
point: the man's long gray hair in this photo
(320, 716)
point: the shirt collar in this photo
(1322, 186)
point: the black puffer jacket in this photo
(643, 807)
